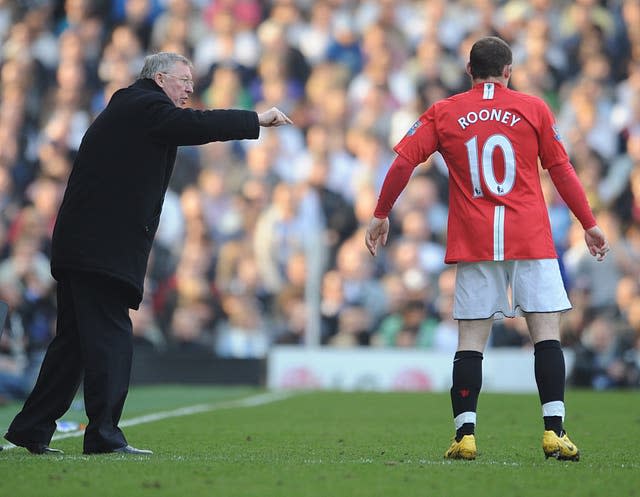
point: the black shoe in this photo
(127, 449)
(41, 449)
(33, 447)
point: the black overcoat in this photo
(111, 207)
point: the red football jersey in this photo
(491, 138)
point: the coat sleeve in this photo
(176, 126)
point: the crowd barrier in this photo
(504, 370)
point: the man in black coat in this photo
(101, 244)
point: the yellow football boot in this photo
(561, 448)
(464, 449)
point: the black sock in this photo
(465, 429)
(467, 381)
(553, 423)
(550, 378)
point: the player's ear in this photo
(468, 69)
(506, 72)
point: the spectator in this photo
(228, 42)
(27, 286)
(359, 282)
(187, 331)
(627, 205)
(344, 47)
(423, 194)
(415, 227)
(243, 334)
(510, 333)
(600, 277)
(321, 144)
(219, 210)
(292, 316)
(338, 215)
(180, 22)
(371, 157)
(332, 302)
(280, 232)
(446, 332)
(412, 326)
(146, 331)
(603, 361)
(139, 17)
(627, 291)
(353, 327)
(315, 35)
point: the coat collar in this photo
(146, 84)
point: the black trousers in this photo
(93, 340)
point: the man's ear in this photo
(468, 69)
(506, 72)
(157, 77)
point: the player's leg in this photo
(550, 378)
(539, 292)
(467, 373)
(549, 366)
(480, 293)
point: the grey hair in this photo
(161, 62)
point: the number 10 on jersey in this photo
(483, 164)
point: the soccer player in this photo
(492, 139)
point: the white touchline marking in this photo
(253, 401)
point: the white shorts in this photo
(508, 288)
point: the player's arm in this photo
(394, 183)
(568, 185)
(417, 145)
(570, 189)
(554, 158)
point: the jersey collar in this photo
(481, 84)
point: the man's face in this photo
(177, 83)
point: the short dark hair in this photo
(488, 57)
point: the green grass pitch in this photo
(338, 444)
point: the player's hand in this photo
(377, 231)
(596, 243)
(273, 117)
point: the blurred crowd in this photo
(258, 239)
